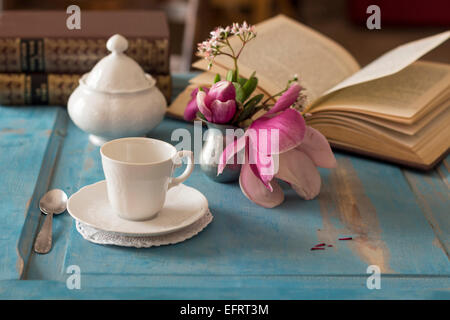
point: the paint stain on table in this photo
(343, 200)
(88, 164)
(19, 131)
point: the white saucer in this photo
(184, 205)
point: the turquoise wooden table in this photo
(399, 220)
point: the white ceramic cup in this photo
(138, 173)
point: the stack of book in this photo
(41, 59)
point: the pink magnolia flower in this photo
(218, 105)
(299, 151)
(286, 100)
(190, 113)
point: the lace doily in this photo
(104, 237)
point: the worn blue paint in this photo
(252, 288)
(399, 218)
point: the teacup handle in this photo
(189, 168)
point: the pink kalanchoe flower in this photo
(218, 105)
(190, 113)
(299, 151)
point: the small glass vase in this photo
(215, 143)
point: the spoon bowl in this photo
(53, 202)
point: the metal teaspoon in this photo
(53, 202)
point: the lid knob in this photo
(117, 44)
(117, 72)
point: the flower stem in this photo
(236, 70)
(275, 95)
(279, 93)
(240, 50)
(231, 48)
(226, 54)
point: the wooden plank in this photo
(432, 191)
(253, 288)
(373, 201)
(66, 177)
(29, 148)
(443, 170)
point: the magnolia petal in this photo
(286, 100)
(222, 91)
(278, 134)
(191, 109)
(222, 112)
(316, 146)
(190, 113)
(201, 95)
(299, 170)
(262, 166)
(265, 179)
(229, 151)
(255, 191)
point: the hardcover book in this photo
(395, 108)
(39, 41)
(51, 89)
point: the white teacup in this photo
(138, 174)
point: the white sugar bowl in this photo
(116, 99)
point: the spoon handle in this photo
(43, 242)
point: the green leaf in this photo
(245, 114)
(240, 94)
(254, 101)
(230, 75)
(249, 87)
(242, 81)
(250, 108)
(217, 78)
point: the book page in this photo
(402, 97)
(214, 69)
(203, 79)
(408, 129)
(177, 107)
(393, 61)
(283, 48)
(430, 142)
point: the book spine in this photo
(54, 55)
(51, 89)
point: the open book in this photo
(395, 108)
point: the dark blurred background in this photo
(342, 20)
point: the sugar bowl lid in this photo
(117, 73)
